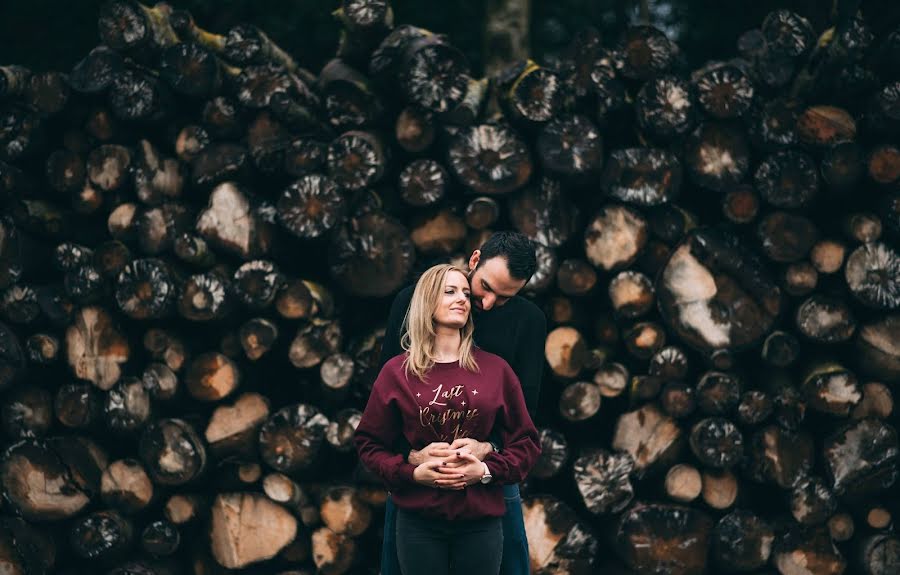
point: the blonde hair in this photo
(419, 334)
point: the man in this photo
(507, 325)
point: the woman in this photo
(444, 388)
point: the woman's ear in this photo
(473, 261)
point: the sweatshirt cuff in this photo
(405, 473)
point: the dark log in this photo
(256, 283)
(172, 452)
(717, 155)
(561, 541)
(236, 536)
(612, 379)
(669, 537)
(718, 393)
(21, 135)
(437, 233)
(267, 139)
(191, 69)
(644, 339)
(24, 548)
(204, 296)
(165, 347)
(812, 503)
(247, 44)
(841, 527)
(545, 273)
(212, 376)
(65, 171)
(138, 97)
(723, 90)
(127, 25)
(832, 389)
(26, 412)
(341, 429)
(779, 456)
(19, 304)
(780, 349)
(291, 438)
(884, 164)
(233, 428)
(12, 358)
(825, 319)
(799, 549)
(185, 509)
(570, 146)
(602, 480)
(490, 159)
(13, 81)
(193, 250)
(643, 388)
(302, 299)
(356, 159)
(800, 278)
(880, 554)
(741, 541)
(861, 457)
(371, 255)
(160, 538)
(580, 401)
(283, 490)
(646, 52)
(122, 221)
(160, 381)
(554, 454)
(414, 129)
(841, 166)
(717, 442)
(217, 163)
(146, 289)
(191, 140)
(235, 473)
(677, 399)
(348, 98)
(873, 275)
(650, 437)
(631, 294)
(223, 118)
(827, 256)
(423, 182)
(576, 277)
(482, 213)
(665, 107)
(128, 407)
(825, 126)
(314, 342)
(42, 348)
(642, 176)
(787, 179)
(95, 72)
(787, 237)
(741, 205)
(77, 405)
(257, 337)
(877, 401)
(126, 486)
(544, 213)
(158, 227)
(101, 536)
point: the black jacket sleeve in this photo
(390, 347)
(393, 331)
(528, 360)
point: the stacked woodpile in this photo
(200, 239)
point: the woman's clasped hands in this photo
(448, 466)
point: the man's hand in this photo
(430, 475)
(433, 451)
(480, 449)
(467, 470)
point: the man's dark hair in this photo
(516, 248)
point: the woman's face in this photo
(454, 306)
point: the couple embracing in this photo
(448, 425)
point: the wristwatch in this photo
(486, 478)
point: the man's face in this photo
(491, 282)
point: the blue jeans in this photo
(515, 545)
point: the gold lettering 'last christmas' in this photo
(438, 420)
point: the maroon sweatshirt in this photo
(452, 403)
